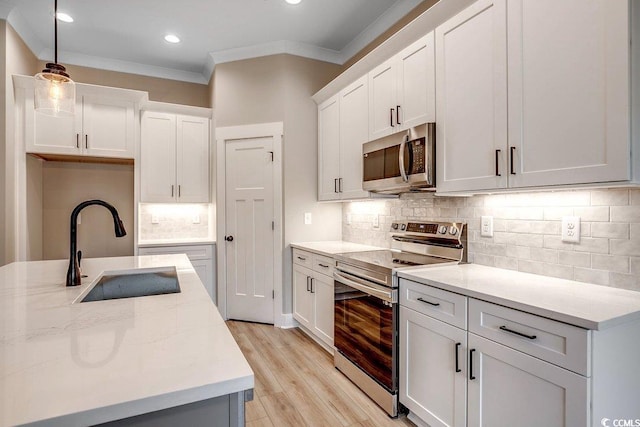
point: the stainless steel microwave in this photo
(400, 163)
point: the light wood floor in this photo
(297, 385)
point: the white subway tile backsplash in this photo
(527, 230)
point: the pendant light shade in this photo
(55, 92)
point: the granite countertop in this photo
(576, 303)
(334, 247)
(66, 364)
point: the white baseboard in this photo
(417, 421)
(286, 321)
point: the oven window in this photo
(364, 332)
(373, 165)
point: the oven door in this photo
(365, 330)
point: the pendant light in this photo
(55, 92)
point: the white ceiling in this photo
(125, 35)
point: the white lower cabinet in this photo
(433, 382)
(450, 376)
(508, 388)
(202, 258)
(313, 294)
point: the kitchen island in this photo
(67, 363)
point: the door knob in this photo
(229, 238)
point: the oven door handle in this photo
(389, 296)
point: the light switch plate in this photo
(348, 219)
(486, 226)
(307, 218)
(571, 229)
(376, 221)
(155, 219)
(196, 219)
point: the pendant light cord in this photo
(55, 30)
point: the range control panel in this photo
(435, 229)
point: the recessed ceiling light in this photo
(172, 38)
(64, 17)
(293, 1)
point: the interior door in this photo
(249, 233)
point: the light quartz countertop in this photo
(175, 242)
(576, 303)
(74, 364)
(334, 247)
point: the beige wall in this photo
(65, 185)
(278, 89)
(161, 90)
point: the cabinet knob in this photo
(229, 238)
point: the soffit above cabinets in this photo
(127, 36)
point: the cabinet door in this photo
(302, 296)
(471, 99)
(193, 159)
(416, 83)
(329, 149)
(511, 388)
(354, 131)
(158, 158)
(569, 107)
(429, 384)
(54, 135)
(322, 290)
(108, 126)
(204, 268)
(383, 104)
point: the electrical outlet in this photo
(155, 219)
(376, 221)
(196, 219)
(307, 218)
(571, 229)
(486, 226)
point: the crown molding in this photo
(78, 59)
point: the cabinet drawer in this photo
(437, 303)
(302, 258)
(323, 264)
(193, 252)
(558, 343)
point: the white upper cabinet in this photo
(329, 148)
(354, 125)
(536, 94)
(104, 125)
(174, 158)
(343, 123)
(401, 90)
(569, 86)
(471, 98)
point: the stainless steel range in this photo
(366, 302)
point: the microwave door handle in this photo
(403, 172)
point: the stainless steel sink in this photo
(137, 283)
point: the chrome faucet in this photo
(74, 278)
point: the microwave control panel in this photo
(417, 147)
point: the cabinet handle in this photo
(471, 376)
(458, 344)
(302, 258)
(308, 283)
(77, 140)
(391, 117)
(497, 160)
(435, 304)
(323, 265)
(398, 114)
(171, 190)
(86, 142)
(179, 191)
(335, 185)
(513, 149)
(339, 185)
(511, 331)
(312, 291)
